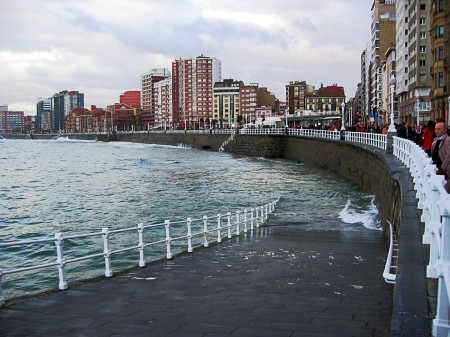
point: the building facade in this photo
(62, 105)
(43, 114)
(193, 89)
(440, 58)
(11, 121)
(413, 61)
(227, 102)
(149, 107)
(162, 96)
(296, 96)
(131, 98)
(382, 38)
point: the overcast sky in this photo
(102, 47)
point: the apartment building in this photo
(248, 96)
(326, 100)
(440, 58)
(193, 89)
(132, 98)
(62, 104)
(162, 96)
(296, 92)
(43, 114)
(382, 38)
(11, 121)
(148, 105)
(227, 102)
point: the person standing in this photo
(428, 136)
(440, 152)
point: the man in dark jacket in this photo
(440, 152)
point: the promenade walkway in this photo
(278, 281)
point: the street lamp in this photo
(448, 110)
(342, 115)
(392, 83)
(112, 125)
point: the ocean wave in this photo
(361, 213)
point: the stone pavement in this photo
(280, 281)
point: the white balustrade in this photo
(166, 233)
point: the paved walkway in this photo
(280, 282)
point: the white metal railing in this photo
(373, 139)
(313, 133)
(390, 268)
(190, 233)
(434, 202)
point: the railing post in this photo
(219, 235)
(106, 252)
(266, 207)
(257, 217)
(229, 224)
(189, 234)
(238, 222)
(441, 324)
(61, 261)
(205, 231)
(141, 245)
(245, 220)
(2, 298)
(168, 240)
(252, 210)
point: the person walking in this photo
(440, 152)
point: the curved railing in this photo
(434, 202)
(175, 236)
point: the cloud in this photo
(102, 47)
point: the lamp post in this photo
(448, 110)
(111, 121)
(342, 115)
(418, 110)
(392, 83)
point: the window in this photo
(440, 79)
(423, 21)
(441, 53)
(423, 49)
(441, 5)
(422, 7)
(423, 35)
(422, 63)
(441, 31)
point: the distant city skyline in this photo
(102, 48)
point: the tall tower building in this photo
(148, 105)
(162, 96)
(440, 52)
(62, 104)
(192, 86)
(413, 61)
(382, 38)
(43, 114)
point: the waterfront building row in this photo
(405, 65)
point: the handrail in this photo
(388, 276)
(434, 201)
(195, 232)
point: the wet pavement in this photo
(277, 281)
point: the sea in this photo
(75, 187)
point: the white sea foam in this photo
(67, 139)
(354, 214)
